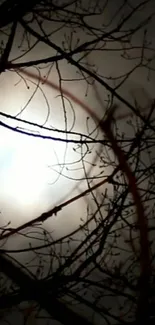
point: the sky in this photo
(18, 156)
(33, 175)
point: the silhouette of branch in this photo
(34, 290)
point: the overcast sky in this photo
(32, 175)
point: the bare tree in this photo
(102, 271)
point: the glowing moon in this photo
(38, 173)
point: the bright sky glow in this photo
(36, 174)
